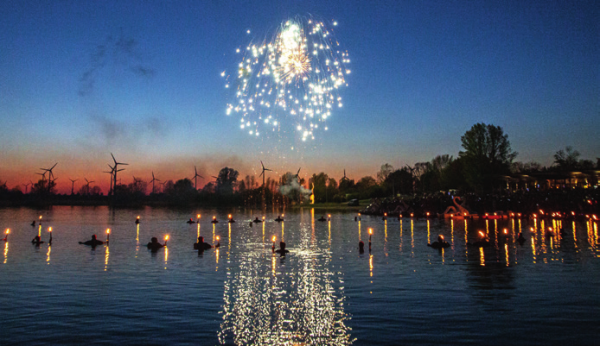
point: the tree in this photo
(383, 173)
(566, 159)
(487, 155)
(226, 181)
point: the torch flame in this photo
(370, 231)
(481, 234)
(198, 216)
(274, 237)
(107, 230)
(218, 238)
(166, 237)
(7, 230)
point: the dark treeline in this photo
(484, 168)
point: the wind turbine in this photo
(88, 185)
(26, 186)
(263, 172)
(72, 185)
(49, 170)
(297, 173)
(153, 180)
(196, 175)
(115, 170)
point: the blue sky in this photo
(423, 72)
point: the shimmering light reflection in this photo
(106, 255)
(5, 252)
(48, 254)
(292, 300)
(412, 238)
(481, 257)
(371, 266)
(166, 256)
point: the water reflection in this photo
(5, 252)
(294, 301)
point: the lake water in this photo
(322, 292)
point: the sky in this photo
(142, 80)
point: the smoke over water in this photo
(292, 187)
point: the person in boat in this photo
(93, 241)
(282, 251)
(37, 240)
(279, 218)
(201, 245)
(214, 220)
(33, 223)
(257, 220)
(322, 218)
(231, 220)
(361, 246)
(521, 239)
(190, 221)
(440, 243)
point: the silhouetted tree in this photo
(487, 155)
(226, 181)
(567, 159)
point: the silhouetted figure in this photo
(37, 240)
(279, 218)
(361, 246)
(440, 243)
(214, 220)
(137, 221)
(201, 245)
(33, 223)
(322, 218)
(521, 239)
(282, 251)
(231, 220)
(154, 245)
(50, 241)
(93, 242)
(190, 221)
(251, 224)
(356, 218)
(257, 220)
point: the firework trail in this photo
(290, 81)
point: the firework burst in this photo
(290, 81)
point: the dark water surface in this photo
(322, 292)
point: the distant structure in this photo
(88, 185)
(72, 185)
(115, 170)
(152, 181)
(264, 205)
(196, 176)
(26, 186)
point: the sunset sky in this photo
(423, 72)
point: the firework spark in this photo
(292, 80)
